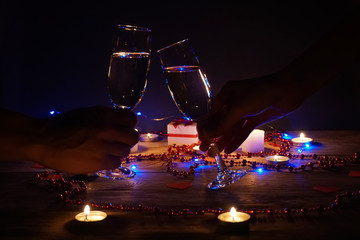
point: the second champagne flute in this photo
(191, 92)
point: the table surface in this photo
(30, 210)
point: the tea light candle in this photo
(281, 160)
(234, 221)
(254, 142)
(197, 150)
(149, 137)
(301, 140)
(90, 216)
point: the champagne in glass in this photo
(190, 90)
(127, 77)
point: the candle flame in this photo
(86, 212)
(233, 213)
(276, 157)
(302, 136)
(148, 134)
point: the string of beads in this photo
(69, 189)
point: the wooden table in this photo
(29, 210)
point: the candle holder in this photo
(234, 222)
(197, 150)
(301, 140)
(149, 137)
(88, 216)
(280, 160)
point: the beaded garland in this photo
(70, 188)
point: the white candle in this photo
(301, 139)
(277, 159)
(234, 217)
(149, 137)
(90, 216)
(254, 142)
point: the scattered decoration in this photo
(69, 189)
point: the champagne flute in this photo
(190, 90)
(127, 77)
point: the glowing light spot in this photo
(299, 150)
(307, 145)
(233, 213)
(133, 167)
(139, 113)
(53, 112)
(86, 212)
(259, 170)
(302, 136)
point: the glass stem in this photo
(216, 153)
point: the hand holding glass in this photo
(127, 77)
(191, 92)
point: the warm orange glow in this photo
(233, 213)
(86, 212)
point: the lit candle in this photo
(149, 137)
(234, 221)
(90, 216)
(301, 140)
(281, 160)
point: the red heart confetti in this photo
(179, 185)
(326, 189)
(36, 165)
(354, 174)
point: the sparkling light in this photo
(302, 136)
(86, 212)
(233, 213)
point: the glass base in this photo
(119, 173)
(226, 178)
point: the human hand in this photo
(244, 105)
(86, 140)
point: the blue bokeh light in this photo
(286, 136)
(139, 113)
(53, 112)
(260, 170)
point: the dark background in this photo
(55, 54)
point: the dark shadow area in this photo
(111, 224)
